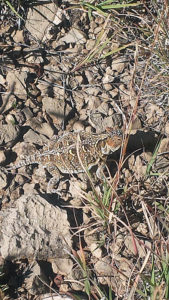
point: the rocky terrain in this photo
(72, 66)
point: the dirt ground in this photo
(85, 66)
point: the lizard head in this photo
(113, 141)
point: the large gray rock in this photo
(34, 229)
(39, 20)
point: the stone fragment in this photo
(8, 134)
(62, 266)
(18, 37)
(74, 35)
(16, 81)
(104, 270)
(118, 65)
(108, 122)
(96, 250)
(60, 16)
(108, 79)
(39, 18)
(108, 86)
(32, 283)
(166, 130)
(55, 108)
(78, 126)
(103, 108)
(33, 228)
(2, 157)
(90, 44)
(3, 179)
(10, 119)
(89, 76)
(2, 80)
(27, 112)
(43, 128)
(114, 92)
(96, 120)
(164, 146)
(131, 246)
(34, 138)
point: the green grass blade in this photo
(115, 50)
(151, 162)
(117, 6)
(87, 287)
(13, 9)
(153, 282)
(92, 7)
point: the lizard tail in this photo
(27, 160)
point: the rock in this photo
(108, 86)
(27, 112)
(2, 157)
(60, 16)
(74, 35)
(93, 102)
(78, 126)
(104, 270)
(89, 76)
(95, 250)
(24, 149)
(109, 71)
(79, 99)
(39, 18)
(164, 146)
(16, 82)
(108, 122)
(19, 37)
(34, 138)
(55, 109)
(96, 120)
(2, 80)
(136, 123)
(8, 134)
(131, 247)
(32, 283)
(98, 29)
(75, 189)
(103, 108)
(166, 130)
(46, 129)
(79, 79)
(3, 179)
(34, 228)
(118, 65)
(108, 78)
(62, 266)
(153, 113)
(93, 91)
(90, 44)
(114, 92)
(9, 102)
(10, 119)
(43, 128)
(21, 180)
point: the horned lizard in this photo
(73, 152)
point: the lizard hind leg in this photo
(54, 181)
(51, 187)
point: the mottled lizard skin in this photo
(74, 151)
